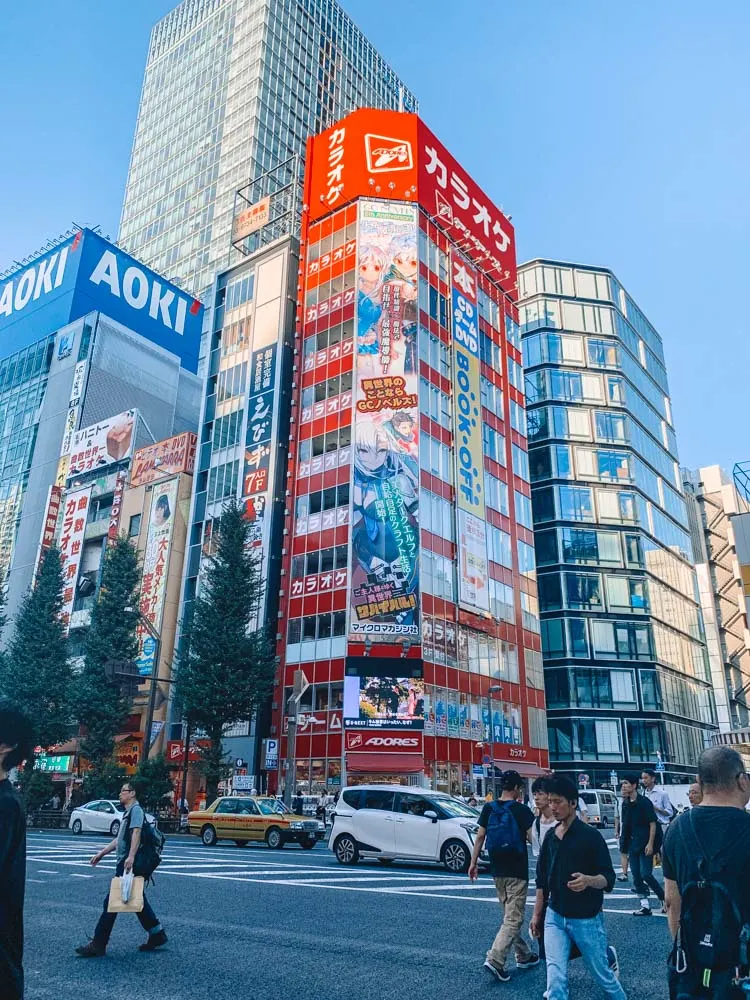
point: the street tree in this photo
(226, 670)
(35, 672)
(153, 782)
(111, 641)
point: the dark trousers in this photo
(642, 870)
(147, 917)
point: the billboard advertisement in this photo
(103, 443)
(75, 512)
(383, 693)
(473, 567)
(384, 589)
(88, 273)
(250, 219)
(394, 155)
(155, 564)
(164, 459)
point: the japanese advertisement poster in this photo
(75, 512)
(108, 441)
(384, 598)
(155, 565)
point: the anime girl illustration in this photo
(372, 263)
(401, 278)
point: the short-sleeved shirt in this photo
(511, 864)
(539, 830)
(637, 818)
(660, 800)
(724, 834)
(132, 820)
(12, 886)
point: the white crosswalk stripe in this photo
(60, 856)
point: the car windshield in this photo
(589, 798)
(456, 808)
(271, 807)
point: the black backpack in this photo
(710, 953)
(148, 855)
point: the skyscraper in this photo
(626, 670)
(232, 89)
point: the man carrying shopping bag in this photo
(126, 844)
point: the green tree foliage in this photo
(153, 782)
(111, 638)
(228, 666)
(103, 783)
(37, 788)
(35, 673)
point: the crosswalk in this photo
(55, 858)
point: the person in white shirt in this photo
(657, 795)
(544, 821)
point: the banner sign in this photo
(116, 510)
(103, 443)
(155, 563)
(164, 459)
(473, 567)
(49, 527)
(75, 513)
(251, 219)
(384, 596)
(259, 421)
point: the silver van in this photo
(602, 806)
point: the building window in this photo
(135, 525)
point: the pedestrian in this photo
(640, 839)
(572, 874)
(623, 876)
(16, 744)
(505, 825)
(55, 803)
(298, 803)
(544, 821)
(126, 844)
(695, 795)
(706, 859)
(658, 797)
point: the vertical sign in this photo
(155, 564)
(49, 528)
(114, 515)
(75, 512)
(71, 421)
(384, 578)
(473, 569)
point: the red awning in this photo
(384, 763)
(526, 770)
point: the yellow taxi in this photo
(257, 818)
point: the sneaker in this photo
(154, 941)
(613, 961)
(622, 878)
(90, 950)
(499, 974)
(644, 911)
(528, 963)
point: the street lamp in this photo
(156, 636)
(493, 689)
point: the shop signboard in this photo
(384, 582)
(154, 572)
(54, 763)
(164, 459)
(383, 693)
(75, 513)
(103, 443)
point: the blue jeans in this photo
(642, 870)
(589, 935)
(149, 920)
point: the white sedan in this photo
(99, 816)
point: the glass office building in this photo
(626, 671)
(232, 89)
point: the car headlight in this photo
(296, 826)
(471, 829)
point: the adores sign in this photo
(384, 742)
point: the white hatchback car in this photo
(99, 816)
(391, 821)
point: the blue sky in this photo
(614, 133)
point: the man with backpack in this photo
(706, 862)
(137, 852)
(505, 827)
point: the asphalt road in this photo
(292, 923)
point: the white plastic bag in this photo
(126, 886)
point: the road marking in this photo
(79, 875)
(47, 871)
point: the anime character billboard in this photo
(384, 589)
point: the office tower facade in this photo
(408, 596)
(232, 89)
(626, 671)
(718, 512)
(99, 357)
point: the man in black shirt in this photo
(639, 839)
(573, 871)
(721, 826)
(509, 867)
(16, 744)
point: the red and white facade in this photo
(408, 590)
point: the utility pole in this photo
(493, 689)
(301, 684)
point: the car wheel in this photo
(274, 839)
(241, 843)
(346, 850)
(386, 861)
(115, 828)
(208, 836)
(455, 856)
(307, 845)
(77, 826)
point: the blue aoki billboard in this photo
(384, 595)
(86, 274)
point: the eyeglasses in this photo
(127, 788)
